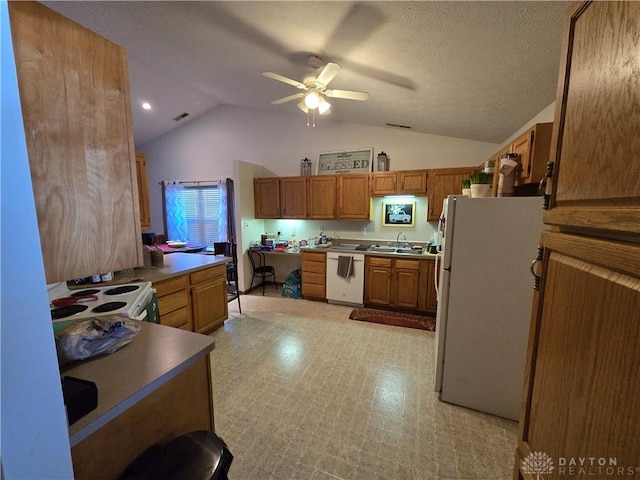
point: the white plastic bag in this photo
(98, 336)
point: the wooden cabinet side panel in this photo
(583, 392)
(182, 405)
(74, 95)
(143, 191)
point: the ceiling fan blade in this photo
(327, 74)
(348, 94)
(287, 99)
(286, 80)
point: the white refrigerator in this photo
(485, 293)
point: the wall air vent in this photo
(181, 116)
(395, 125)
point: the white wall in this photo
(34, 435)
(544, 116)
(207, 147)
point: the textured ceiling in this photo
(475, 70)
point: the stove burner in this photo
(91, 291)
(121, 290)
(64, 312)
(109, 307)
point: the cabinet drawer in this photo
(314, 257)
(380, 261)
(173, 301)
(314, 267)
(408, 264)
(311, 277)
(172, 285)
(208, 274)
(177, 319)
(313, 290)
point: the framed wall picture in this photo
(398, 213)
(351, 161)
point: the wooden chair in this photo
(260, 268)
(229, 249)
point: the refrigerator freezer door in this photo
(490, 291)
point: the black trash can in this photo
(198, 455)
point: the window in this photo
(196, 213)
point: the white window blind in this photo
(202, 207)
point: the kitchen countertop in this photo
(425, 256)
(155, 355)
(178, 264)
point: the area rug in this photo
(393, 318)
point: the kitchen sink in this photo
(409, 250)
(384, 249)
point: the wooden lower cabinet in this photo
(209, 298)
(314, 271)
(400, 283)
(174, 302)
(184, 404)
(581, 392)
(194, 302)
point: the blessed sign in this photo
(354, 161)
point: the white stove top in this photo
(128, 299)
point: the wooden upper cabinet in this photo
(383, 183)
(408, 182)
(143, 191)
(441, 183)
(353, 197)
(533, 148)
(412, 182)
(74, 93)
(266, 197)
(595, 146)
(322, 197)
(293, 197)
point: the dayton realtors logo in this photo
(539, 464)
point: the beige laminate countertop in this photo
(178, 264)
(423, 256)
(155, 355)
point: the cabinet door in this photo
(322, 196)
(76, 109)
(378, 281)
(432, 298)
(595, 143)
(581, 390)
(353, 197)
(293, 199)
(266, 197)
(209, 300)
(443, 182)
(383, 183)
(143, 191)
(522, 147)
(412, 182)
(406, 278)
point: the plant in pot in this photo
(481, 183)
(466, 187)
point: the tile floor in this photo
(302, 392)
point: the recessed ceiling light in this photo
(146, 106)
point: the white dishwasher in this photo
(345, 291)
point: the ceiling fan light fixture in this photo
(312, 100)
(323, 106)
(303, 106)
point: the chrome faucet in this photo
(398, 239)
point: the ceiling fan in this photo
(315, 88)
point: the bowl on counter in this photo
(176, 244)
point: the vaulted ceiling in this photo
(475, 70)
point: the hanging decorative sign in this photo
(352, 161)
